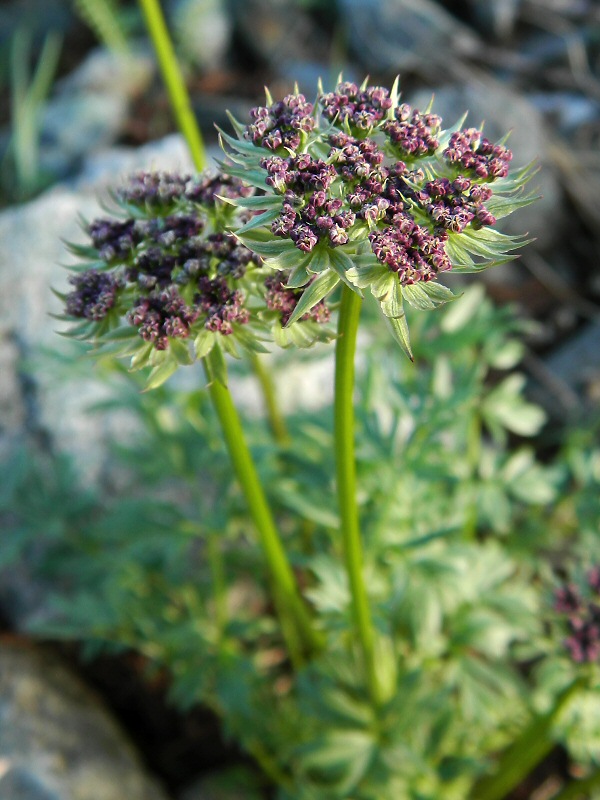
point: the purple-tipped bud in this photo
(95, 293)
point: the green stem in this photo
(577, 789)
(525, 753)
(296, 623)
(346, 482)
(175, 85)
(274, 415)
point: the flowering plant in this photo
(382, 665)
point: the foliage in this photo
(459, 531)
(22, 176)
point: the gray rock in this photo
(89, 109)
(395, 35)
(202, 29)
(502, 110)
(576, 364)
(32, 247)
(57, 741)
(21, 784)
(495, 17)
(280, 32)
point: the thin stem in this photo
(175, 85)
(274, 415)
(346, 482)
(525, 753)
(296, 622)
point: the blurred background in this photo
(82, 104)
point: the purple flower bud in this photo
(304, 237)
(95, 293)
(279, 298)
(469, 150)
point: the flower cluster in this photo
(580, 610)
(95, 293)
(470, 150)
(284, 300)
(176, 281)
(410, 250)
(455, 204)
(171, 274)
(162, 315)
(223, 306)
(281, 124)
(378, 195)
(162, 190)
(308, 213)
(359, 108)
(412, 133)
(113, 238)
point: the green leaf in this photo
(428, 295)
(258, 221)
(161, 373)
(399, 327)
(319, 260)
(341, 263)
(217, 368)
(203, 343)
(267, 248)
(340, 760)
(391, 301)
(255, 203)
(180, 350)
(298, 277)
(317, 290)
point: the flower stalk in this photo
(346, 483)
(300, 634)
(296, 622)
(175, 85)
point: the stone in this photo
(57, 740)
(280, 33)
(202, 29)
(395, 35)
(89, 109)
(32, 247)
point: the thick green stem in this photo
(346, 482)
(175, 85)
(297, 625)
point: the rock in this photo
(502, 110)
(395, 35)
(89, 110)
(495, 18)
(57, 741)
(576, 364)
(202, 29)
(284, 36)
(32, 246)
